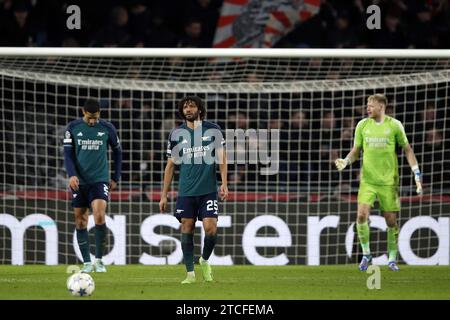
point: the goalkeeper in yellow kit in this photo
(377, 136)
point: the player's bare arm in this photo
(168, 175)
(223, 174)
(352, 156)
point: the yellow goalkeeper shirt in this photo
(378, 142)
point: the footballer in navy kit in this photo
(196, 146)
(86, 142)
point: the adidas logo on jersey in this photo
(179, 210)
(100, 134)
(207, 138)
(80, 134)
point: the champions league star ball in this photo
(80, 284)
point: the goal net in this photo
(287, 205)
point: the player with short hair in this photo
(196, 146)
(377, 136)
(86, 143)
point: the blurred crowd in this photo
(314, 131)
(192, 23)
(404, 24)
(112, 23)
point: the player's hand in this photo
(112, 185)
(418, 179)
(341, 163)
(223, 192)
(419, 188)
(163, 204)
(74, 183)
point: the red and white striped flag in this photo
(260, 23)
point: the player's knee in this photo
(81, 223)
(211, 231)
(187, 226)
(99, 219)
(362, 217)
(187, 229)
(99, 216)
(391, 219)
(391, 223)
(210, 226)
(99, 206)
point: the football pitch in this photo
(231, 283)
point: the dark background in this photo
(192, 23)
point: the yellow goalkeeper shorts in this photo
(388, 196)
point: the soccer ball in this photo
(80, 284)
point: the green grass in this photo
(231, 283)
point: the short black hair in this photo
(197, 101)
(91, 106)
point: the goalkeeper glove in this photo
(418, 179)
(342, 163)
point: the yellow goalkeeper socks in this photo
(392, 236)
(363, 235)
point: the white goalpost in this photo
(303, 214)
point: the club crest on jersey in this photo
(100, 134)
(67, 135)
(387, 131)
